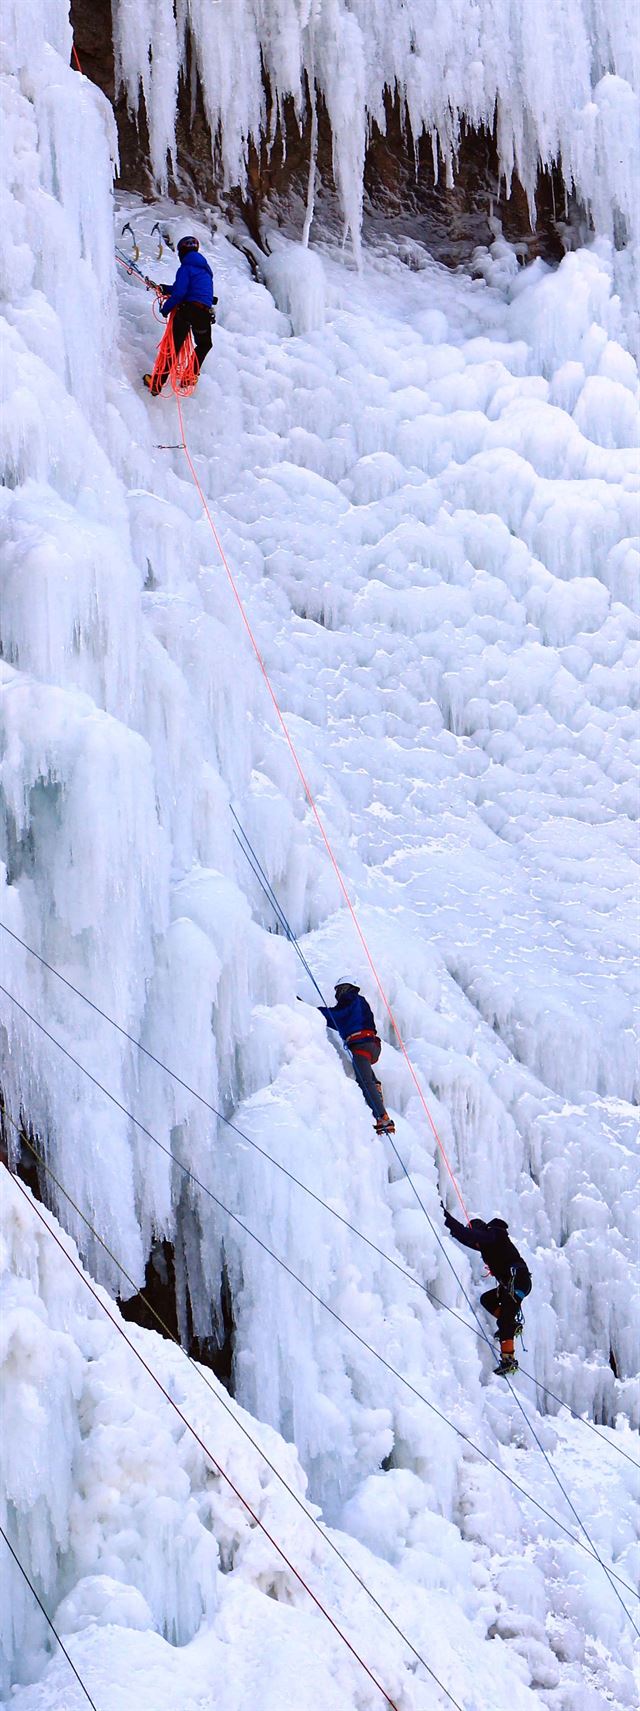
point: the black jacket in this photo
(492, 1241)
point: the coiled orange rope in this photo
(180, 367)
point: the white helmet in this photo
(346, 982)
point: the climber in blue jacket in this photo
(192, 297)
(352, 1018)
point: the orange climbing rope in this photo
(179, 389)
(313, 806)
(180, 367)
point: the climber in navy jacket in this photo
(493, 1242)
(352, 1018)
(191, 295)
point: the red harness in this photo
(365, 1044)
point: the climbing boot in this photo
(385, 1125)
(507, 1365)
(147, 380)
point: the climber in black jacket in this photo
(512, 1275)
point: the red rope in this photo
(219, 1470)
(314, 808)
(181, 367)
(310, 799)
(74, 56)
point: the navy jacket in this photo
(349, 1018)
(493, 1242)
(193, 283)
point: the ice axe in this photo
(136, 247)
(156, 228)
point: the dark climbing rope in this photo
(218, 1469)
(481, 1329)
(47, 1618)
(233, 1415)
(476, 1330)
(592, 1553)
(288, 931)
(526, 1417)
(242, 838)
(350, 906)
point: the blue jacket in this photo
(349, 1018)
(193, 283)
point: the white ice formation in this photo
(559, 80)
(429, 498)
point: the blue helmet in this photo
(186, 244)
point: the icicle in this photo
(313, 160)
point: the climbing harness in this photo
(366, 1042)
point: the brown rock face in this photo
(402, 198)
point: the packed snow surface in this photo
(426, 486)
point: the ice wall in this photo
(559, 82)
(160, 1581)
(428, 499)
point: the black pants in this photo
(505, 1306)
(189, 317)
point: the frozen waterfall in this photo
(427, 485)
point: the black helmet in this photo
(477, 1224)
(497, 1224)
(186, 244)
